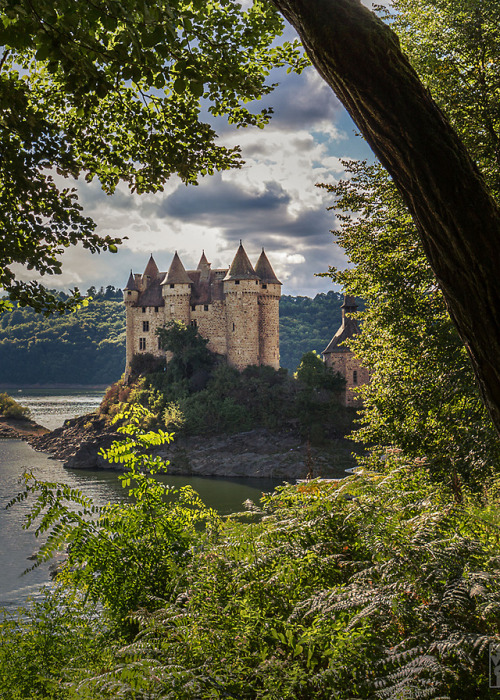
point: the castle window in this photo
(236, 281)
(264, 286)
(194, 323)
(142, 343)
(205, 307)
(143, 309)
(193, 308)
(234, 327)
(156, 309)
(354, 377)
(172, 286)
(145, 326)
(159, 344)
(129, 293)
(256, 281)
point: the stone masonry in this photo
(236, 309)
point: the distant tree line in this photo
(84, 347)
(88, 346)
(307, 324)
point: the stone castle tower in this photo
(236, 309)
(341, 359)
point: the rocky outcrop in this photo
(20, 429)
(77, 442)
(258, 453)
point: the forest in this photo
(87, 346)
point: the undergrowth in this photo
(383, 585)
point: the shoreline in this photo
(20, 428)
(79, 387)
(258, 453)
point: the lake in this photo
(51, 409)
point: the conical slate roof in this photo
(241, 267)
(131, 285)
(177, 273)
(151, 269)
(348, 328)
(265, 271)
(203, 261)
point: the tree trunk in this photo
(458, 220)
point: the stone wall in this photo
(211, 322)
(269, 326)
(354, 374)
(242, 322)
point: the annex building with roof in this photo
(236, 309)
(340, 357)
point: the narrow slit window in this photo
(355, 377)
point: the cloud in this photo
(302, 99)
(272, 201)
(221, 199)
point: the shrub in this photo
(11, 409)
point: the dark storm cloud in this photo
(217, 201)
(298, 102)
(303, 101)
(311, 227)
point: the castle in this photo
(235, 309)
(341, 359)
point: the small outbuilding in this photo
(340, 357)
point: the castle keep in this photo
(235, 309)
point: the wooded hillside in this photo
(88, 346)
(84, 347)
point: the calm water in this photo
(17, 545)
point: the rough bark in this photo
(458, 220)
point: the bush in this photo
(11, 409)
(383, 585)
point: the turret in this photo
(176, 292)
(130, 291)
(150, 273)
(241, 290)
(269, 312)
(204, 268)
(130, 297)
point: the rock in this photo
(257, 453)
(19, 428)
(77, 442)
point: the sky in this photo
(272, 202)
